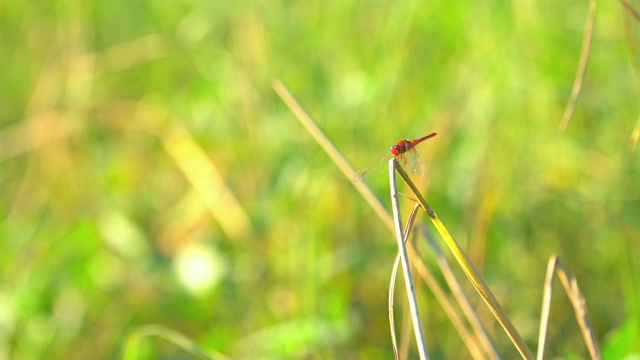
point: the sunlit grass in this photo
(479, 284)
(132, 132)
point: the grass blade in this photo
(570, 285)
(404, 259)
(582, 66)
(392, 281)
(470, 271)
(332, 151)
(174, 337)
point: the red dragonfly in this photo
(404, 151)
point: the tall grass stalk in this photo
(408, 252)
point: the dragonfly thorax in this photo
(401, 147)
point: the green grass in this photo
(99, 203)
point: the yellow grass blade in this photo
(470, 271)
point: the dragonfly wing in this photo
(417, 167)
(372, 168)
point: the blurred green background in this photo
(150, 175)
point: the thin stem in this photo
(546, 307)
(406, 269)
(570, 285)
(332, 151)
(392, 282)
(582, 66)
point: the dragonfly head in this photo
(401, 147)
(395, 150)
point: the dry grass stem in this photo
(333, 152)
(582, 66)
(404, 260)
(570, 285)
(392, 281)
(632, 42)
(546, 309)
(631, 9)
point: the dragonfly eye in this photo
(395, 150)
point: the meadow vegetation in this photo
(150, 175)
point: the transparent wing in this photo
(373, 168)
(417, 167)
